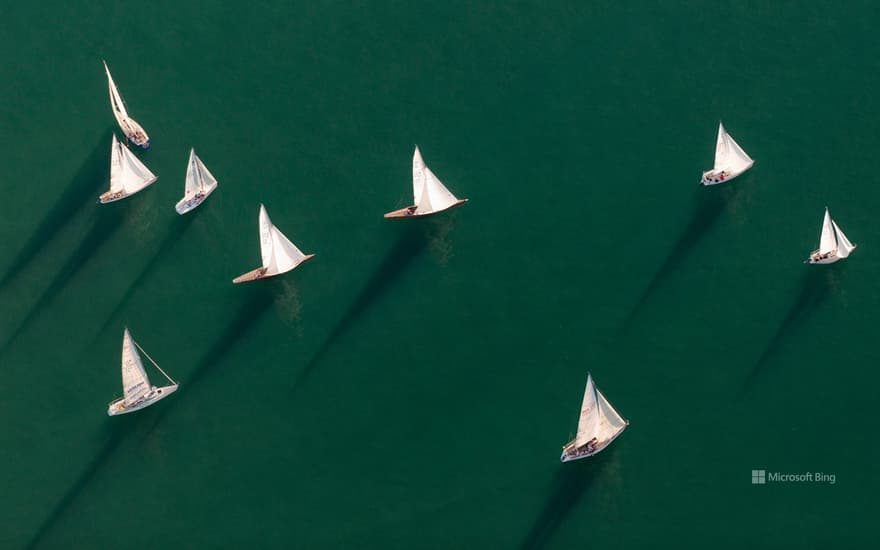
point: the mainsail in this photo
(135, 383)
(589, 418)
(198, 178)
(116, 99)
(279, 254)
(828, 240)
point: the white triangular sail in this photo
(844, 247)
(127, 172)
(828, 240)
(729, 155)
(116, 168)
(418, 169)
(589, 418)
(135, 383)
(279, 254)
(610, 422)
(721, 149)
(115, 99)
(429, 193)
(198, 178)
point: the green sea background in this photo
(411, 387)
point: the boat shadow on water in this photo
(256, 301)
(175, 234)
(114, 434)
(707, 207)
(82, 190)
(108, 221)
(817, 284)
(411, 240)
(569, 485)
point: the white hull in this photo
(568, 456)
(185, 204)
(711, 177)
(816, 258)
(157, 394)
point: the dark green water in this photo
(411, 387)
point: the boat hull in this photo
(185, 205)
(157, 394)
(133, 131)
(710, 177)
(816, 258)
(260, 272)
(113, 197)
(410, 212)
(570, 454)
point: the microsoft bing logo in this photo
(759, 477)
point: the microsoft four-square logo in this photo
(759, 477)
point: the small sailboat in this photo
(279, 254)
(137, 390)
(598, 426)
(833, 244)
(429, 194)
(730, 160)
(128, 175)
(199, 184)
(133, 131)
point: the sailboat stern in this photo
(252, 275)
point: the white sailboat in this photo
(833, 244)
(730, 160)
(199, 184)
(429, 194)
(133, 131)
(128, 175)
(279, 254)
(137, 390)
(598, 426)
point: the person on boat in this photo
(410, 210)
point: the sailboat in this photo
(279, 254)
(598, 426)
(429, 194)
(133, 131)
(833, 244)
(199, 184)
(137, 390)
(128, 175)
(730, 160)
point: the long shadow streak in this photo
(108, 222)
(708, 205)
(569, 485)
(411, 241)
(178, 228)
(256, 302)
(83, 189)
(815, 288)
